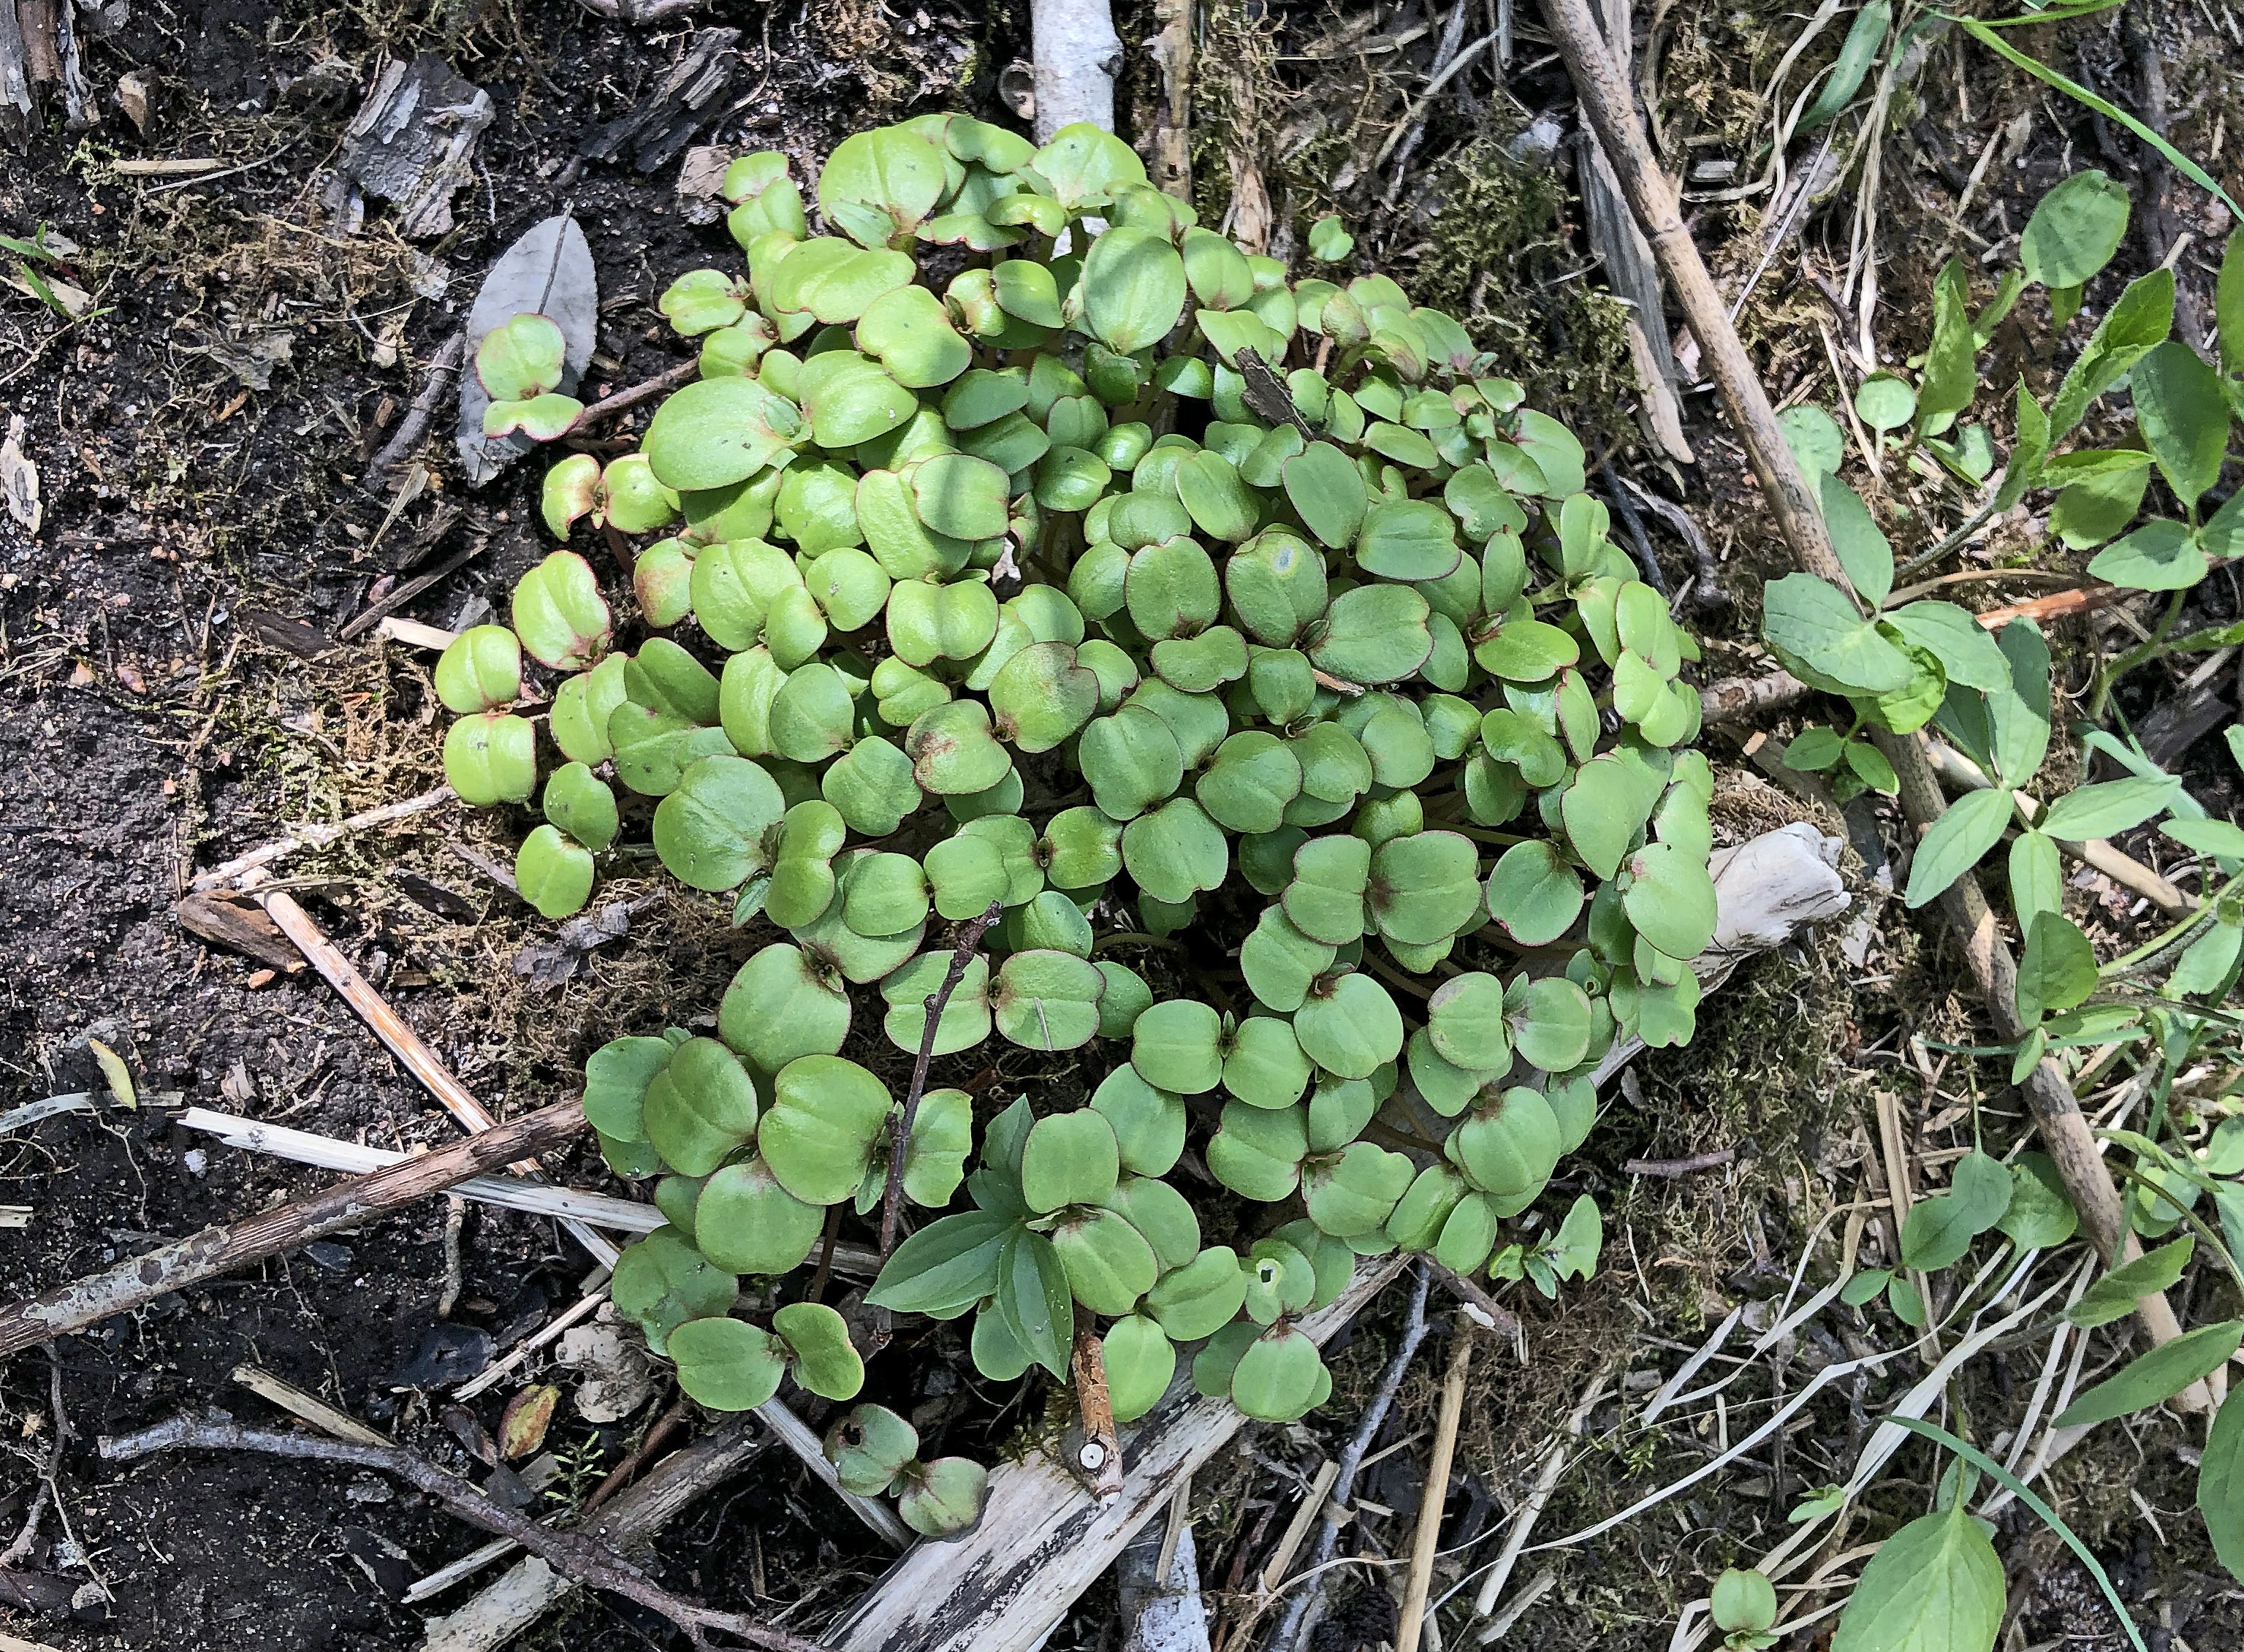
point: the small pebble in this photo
(196, 1161)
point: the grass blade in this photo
(2034, 66)
(2017, 1488)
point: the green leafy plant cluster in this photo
(1928, 664)
(1115, 589)
(2140, 501)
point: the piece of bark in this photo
(238, 926)
(1044, 1538)
(412, 143)
(1161, 1615)
(664, 120)
(1734, 699)
(1173, 54)
(1630, 270)
(15, 76)
(137, 1281)
(305, 642)
(1078, 55)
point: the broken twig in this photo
(583, 1558)
(1690, 1166)
(1607, 100)
(1435, 1496)
(136, 1281)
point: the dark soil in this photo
(172, 691)
(202, 536)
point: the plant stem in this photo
(2151, 949)
(1925, 559)
(970, 937)
(2108, 677)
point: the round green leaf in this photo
(701, 1106)
(1045, 999)
(711, 831)
(728, 1365)
(818, 1135)
(1350, 1026)
(826, 1362)
(1148, 1124)
(1175, 852)
(1178, 1045)
(1466, 1025)
(553, 874)
(1551, 1024)
(1140, 1364)
(1533, 893)
(745, 1223)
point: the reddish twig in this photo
(624, 400)
(620, 1476)
(1097, 1454)
(571, 1553)
(970, 937)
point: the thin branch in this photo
(624, 400)
(970, 937)
(1608, 101)
(1474, 1296)
(1290, 1629)
(1675, 1168)
(443, 367)
(137, 1281)
(571, 1552)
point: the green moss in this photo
(1500, 251)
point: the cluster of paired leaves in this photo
(1904, 666)
(1139, 595)
(1907, 666)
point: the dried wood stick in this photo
(1734, 699)
(510, 1192)
(583, 1558)
(1292, 1628)
(396, 1032)
(1043, 1539)
(137, 1281)
(962, 954)
(576, 1313)
(318, 837)
(1435, 1496)
(441, 367)
(1098, 1452)
(310, 1407)
(531, 1588)
(623, 400)
(1607, 100)
(1475, 1295)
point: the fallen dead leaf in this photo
(522, 1429)
(19, 479)
(113, 1070)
